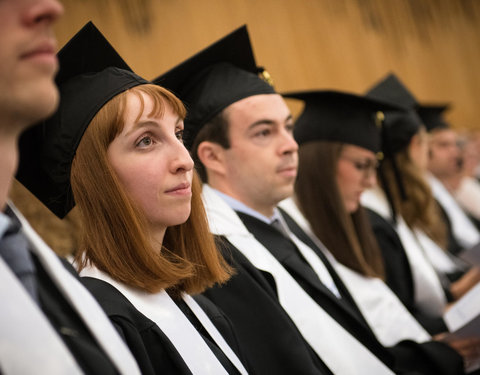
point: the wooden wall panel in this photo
(433, 45)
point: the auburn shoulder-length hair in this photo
(349, 237)
(114, 237)
(419, 209)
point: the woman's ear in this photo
(212, 157)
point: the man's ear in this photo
(212, 156)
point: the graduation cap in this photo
(399, 126)
(391, 89)
(91, 73)
(211, 80)
(432, 116)
(339, 117)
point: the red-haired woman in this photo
(118, 152)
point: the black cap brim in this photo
(339, 117)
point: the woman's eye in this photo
(179, 135)
(368, 165)
(145, 142)
(361, 166)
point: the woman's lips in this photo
(181, 189)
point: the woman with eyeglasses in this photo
(339, 140)
(337, 135)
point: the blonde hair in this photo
(349, 237)
(114, 238)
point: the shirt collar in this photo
(236, 205)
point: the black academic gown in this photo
(453, 245)
(398, 272)
(69, 326)
(267, 335)
(405, 357)
(154, 352)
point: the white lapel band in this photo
(161, 309)
(82, 301)
(327, 338)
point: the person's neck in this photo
(451, 183)
(157, 237)
(8, 161)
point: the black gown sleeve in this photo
(428, 358)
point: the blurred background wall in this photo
(432, 45)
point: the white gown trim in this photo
(42, 342)
(440, 259)
(386, 315)
(428, 291)
(327, 338)
(29, 343)
(462, 227)
(160, 308)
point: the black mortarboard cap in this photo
(91, 73)
(400, 125)
(214, 78)
(432, 116)
(339, 117)
(399, 128)
(391, 89)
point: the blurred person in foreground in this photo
(49, 323)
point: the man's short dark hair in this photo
(216, 131)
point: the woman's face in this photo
(152, 164)
(356, 171)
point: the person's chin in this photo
(43, 102)
(182, 215)
(353, 207)
(286, 192)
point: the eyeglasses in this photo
(368, 167)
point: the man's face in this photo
(443, 153)
(261, 164)
(27, 60)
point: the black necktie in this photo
(14, 251)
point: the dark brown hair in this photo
(349, 237)
(114, 236)
(216, 130)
